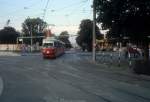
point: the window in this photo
(47, 45)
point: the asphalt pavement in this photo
(69, 78)
(1, 85)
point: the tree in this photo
(84, 39)
(8, 35)
(126, 18)
(34, 26)
(64, 37)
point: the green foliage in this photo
(64, 37)
(84, 38)
(125, 17)
(130, 18)
(8, 35)
(34, 26)
(64, 34)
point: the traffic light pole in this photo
(94, 36)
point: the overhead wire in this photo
(77, 9)
(67, 16)
(77, 5)
(45, 9)
(20, 9)
(69, 6)
(20, 14)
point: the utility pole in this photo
(31, 38)
(8, 22)
(94, 35)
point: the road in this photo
(69, 78)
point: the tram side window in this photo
(59, 45)
(47, 45)
(55, 44)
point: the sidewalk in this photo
(110, 62)
(121, 70)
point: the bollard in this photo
(130, 62)
(111, 59)
(119, 59)
(103, 55)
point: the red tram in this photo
(52, 48)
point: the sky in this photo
(62, 14)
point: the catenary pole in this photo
(94, 36)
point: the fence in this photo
(117, 58)
(113, 58)
(10, 47)
(18, 47)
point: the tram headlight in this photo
(47, 52)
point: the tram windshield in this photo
(47, 45)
